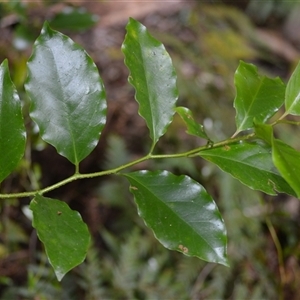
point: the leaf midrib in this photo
(247, 112)
(238, 161)
(211, 247)
(66, 109)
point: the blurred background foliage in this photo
(206, 40)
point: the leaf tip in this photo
(46, 29)
(59, 273)
(4, 63)
(46, 26)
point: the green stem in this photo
(287, 122)
(283, 116)
(279, 256)
(74, 177)
(77, 168)
(116, 170)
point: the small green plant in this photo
(68, 104)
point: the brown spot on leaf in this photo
(272, 184)
(183, 249)
(134, 188)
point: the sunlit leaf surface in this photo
(153, 77)
(292, 95)
(287, 161)
(251, 163)
(12, 129)
(257, 96)
(193, 127)
(65, 236)
(182, 215)
(67, 95)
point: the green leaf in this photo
(153, 77)
(264, 132)
(67, 95)
(292, 94)
(251, 163)
(257, 96)
(74, 18)
(65, 236)
(182, 215)
(12, 130)
(193, 127)
(287, 161)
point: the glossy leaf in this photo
(287, 161)
(292, 95)
(193, 127)
(256, 96)
(182, 215)
(264, 132)
(12, 129)
(65, 236)
(251, 163)
(153, 77)
(67, 95)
